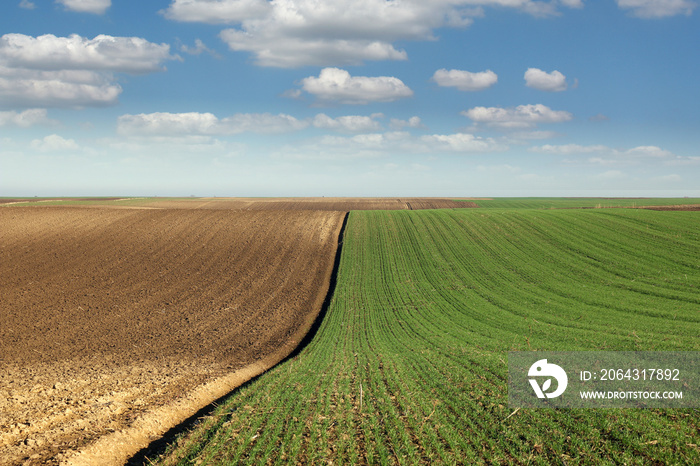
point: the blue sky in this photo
(349, 98)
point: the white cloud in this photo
(391, 143)
(292, 33)
(336, 85)
(461, 142)
(465, 80)
(648, 151)
(532, 135)
(171, 145)
(54, 143)
(97, 7)
(543, 81)
(599, 117)
(25, 119)
(639, 152)
(216, 11)
(649, 9)
(331, 147)
(612, 175)
(103, 53)
(72, 71)
(523, 116)
(31, 88)
(690, 160)
(181, 124)
(569, 149)
(289, 52)
(343, 32)
(608, 156)
(198, 49)
(350, 123)
(504, 168)
(672, 178)
(26, 4)
(292, 94)
(413, 122)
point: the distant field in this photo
(581, 202)
(409, 364)
(339, 204)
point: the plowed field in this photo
(342, 204)
(108, 313)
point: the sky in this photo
(350, 98)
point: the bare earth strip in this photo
(687, 207)
(342, 204)
(108, 315)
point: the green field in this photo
(409, 365)
(580, 202)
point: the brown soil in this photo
(106, 313)
(342, 204)
(687, 207)
(48, 199)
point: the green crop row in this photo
(409, 364)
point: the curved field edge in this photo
(118, 447)
(409, 365)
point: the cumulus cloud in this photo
(599, 117)
(523, 116)
(27, 5)
(607, 156)
(198, 49)
(292, 33)
(543, 81)
(289, 52)
(193, 123)
(216, 11)
(461, 142)
(349, 123)
(103, 53)
(648, 151)
(188, 144)
(336, 85)
(97, 7)
(333, 147)
(29, 88)
(25, 119)
(54, 143)
(612, 175)
(343, 32)
(520, 136)
(413, 122)
(633, 153)
(572, 3)
(650, 9)
(465, 80)
(72, 71)
(569, 149)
